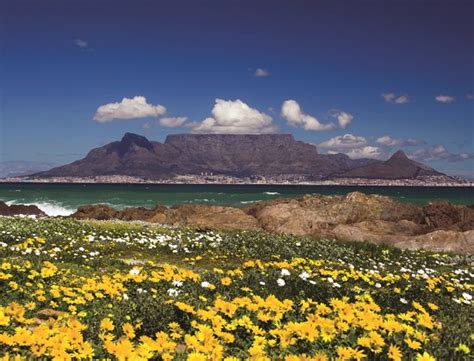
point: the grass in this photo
(90, 289)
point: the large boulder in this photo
(217, 217)
(444, 215)
(443, 241)
(314, 214)
(100, 212)
(20, 209)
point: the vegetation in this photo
(79, 290)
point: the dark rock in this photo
(100, 212)
(19, 209)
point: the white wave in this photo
(271, 193)
(52, 209)
(246, 202)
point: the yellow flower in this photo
(425, 357)
(394, 353)
(414, 345)
(226, 281)
(463, 348)
(107, 324)
(128, 330)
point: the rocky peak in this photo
(130, 139)
(399, 155)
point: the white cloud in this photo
(261, 73)
(136, 107)
(294, 115)
(343, 142)
(172, 122)
(439, 152)
(235, 117)
(81, 43)
(444, 99)
(365, 152)
(343, 118)
(396, 99)
(470, 96)
(388, 141)
(352, 145)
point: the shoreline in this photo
(345, 183)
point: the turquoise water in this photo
(62, 199)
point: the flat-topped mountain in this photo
(238, 155)
(396, 167)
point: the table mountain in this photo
(225, 154)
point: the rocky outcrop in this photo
(355, 217)
(19, 209)
(199, 216)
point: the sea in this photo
(63, 199)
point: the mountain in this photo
(399, 166)
(228, 154)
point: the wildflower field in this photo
(83, 290)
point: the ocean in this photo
(64, 199)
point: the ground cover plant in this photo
(82, 290)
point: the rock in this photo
(354, 217)
(100, 212)
(316, 213)
(444, 215)
(20, 209)
(216, 217)
(445, 241)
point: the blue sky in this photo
(62, 60)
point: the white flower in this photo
(262, 283)
(173, 292)
(330, 280)
(467, 296)
(281, 282)
(177, 283)
(335, 284)
(205, 284)
(125, 296)
(134, 271)
(285, 272)
(304, 275)
(402, 300)
(378, 285)
(298, 244)
(312, 282)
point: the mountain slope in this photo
(399, 166)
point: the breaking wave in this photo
(52, 209)
(271, 193)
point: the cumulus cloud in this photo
(439, 152)
(172, 122)
(395, 99)
(388, 141)
(343, 142)
(365, 152)
(446, 99)
(261, 73)
(81, 43)
(128, 108)
(343, 118)
(352, 145)
(235, 117)
(294, 115)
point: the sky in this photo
(365, 78)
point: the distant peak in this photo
(130, 139)
(399, 155)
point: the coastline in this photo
(442, 181)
